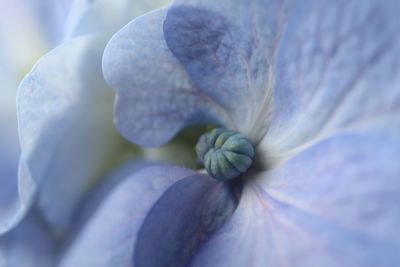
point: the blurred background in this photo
(28, 29)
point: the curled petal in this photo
(228, 47)
(155, 96)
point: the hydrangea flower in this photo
(314, 86)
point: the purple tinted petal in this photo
(155, 96)
(66, 130)
(111, 232)
(335, 204)
(337, 64)
(182, 221)
(227, 47)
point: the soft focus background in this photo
(28, 30)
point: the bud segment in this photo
(225, 154)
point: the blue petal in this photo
(105, 16)
(155, 96)
(27, 245)
(182, 221)
(337, 65)
(335, 204)
(111, 232)
(66, 130)
(228, 48)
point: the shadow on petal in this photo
(182, 220)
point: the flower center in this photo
(225, 154)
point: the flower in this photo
(312, 84)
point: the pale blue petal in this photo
(155, 96)
(27, 245)
(182, 221)
(228, 49)
(109, 236)
(105, 16)
(337, 64)
(335, 204)
(66, 130)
